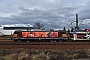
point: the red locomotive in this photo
(38, 36)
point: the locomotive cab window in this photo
(16, 32)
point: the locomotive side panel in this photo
(39, 34)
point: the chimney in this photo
(77, 27)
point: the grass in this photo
(43, 54)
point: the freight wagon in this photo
(30, 36)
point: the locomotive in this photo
(45, 36)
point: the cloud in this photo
(51, 13)
(53, 18)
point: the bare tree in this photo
(39, 25)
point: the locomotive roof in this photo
(35, 30)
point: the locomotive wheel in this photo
(27, 41)
(60, 40)
(18, 41)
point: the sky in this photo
(51, 13)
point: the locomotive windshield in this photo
(16, 32)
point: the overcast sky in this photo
(51, 13)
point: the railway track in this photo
(45, 45)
